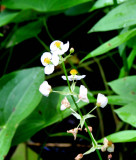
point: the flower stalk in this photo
(90, 134)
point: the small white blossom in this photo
(83, 94)
(58, 48)
(45, 88)
(102, 100)
(49, 61)
(64, 104)
(108, 145)
(73, 76)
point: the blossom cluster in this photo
(53, 58)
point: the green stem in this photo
(115, 2)
(42, 43)
(46, 27)
(79, 25)
(90, 134)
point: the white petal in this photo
(77, 77)
(102, 100)
(45, 88)
(55, 60)
(83, 94)
(65, 47)
(53, 47)
(63, 77)
(45, 55)
(111, 148)
(49, 69)
(62, 107)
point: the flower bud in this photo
(71, 50)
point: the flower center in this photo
(109, 143)
(73, 72)
(47, 60)
(57, 44)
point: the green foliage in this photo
(19, 97)
(42, 5)
(120, 17)
(23, 110)
(47, 113)
(126, 88)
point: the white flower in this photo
(49, 61)
(58, 48)
(45, 88)
(64, 104)
(102, 100)
(83, 94)
(73, 76)
(108, 145)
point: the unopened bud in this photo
(79, 156)
(109, 156)
(90, 129)
(71, 50)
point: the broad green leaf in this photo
(128, 113)
(20, 153)
(25, 32)
(125, 86)
(120, 99)
(42, 5)
(122, 16)
(19, 96)
(104, 3)
(47, 113)
(121, 137)
(130, 61)
(111, 44)
(79, 9)
(7, 16)
(26, 15)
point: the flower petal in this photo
(49, 69)
(45, 55)
(55, 60)
(45, 88)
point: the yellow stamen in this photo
(47, 60)
(73, 72)
(57, 44)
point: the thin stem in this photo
(8, 60)
(79, 25)
(115, 2)
(90, 134)
(43, 44)
(46, 27)
(108, 90)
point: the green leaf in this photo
(20, 153)
(125, 86)
(122, 16)
(79, 9)
(104, 3)
(42, 5)
(121, 137)
(128, 113)
(28, 31)
(47, 113)
(119, 99)
(111, 44)
(7, 16)
(19, 96)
